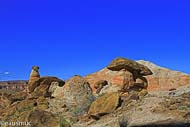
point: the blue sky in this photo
(80, 37)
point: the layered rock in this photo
(34, 75)
(15, 85)
(121, 73)
(163, 78)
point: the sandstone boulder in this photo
(45, 86)
(104, 104)
(130, 65)
(77, 95)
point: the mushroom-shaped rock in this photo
(130, 65)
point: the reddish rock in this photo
(115, 78)
(163, 78)
(122, 73)
(167, 83)
(15, 85)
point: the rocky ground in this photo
(150, 110)
(123, 94)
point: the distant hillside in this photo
(164, 78)
(159, 71)
(13, 84)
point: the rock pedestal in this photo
(34, 75)
(121, 73)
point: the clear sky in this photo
(67, 37)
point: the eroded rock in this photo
(44, 86)
(77, 95)
(132, 66)
(104, 104)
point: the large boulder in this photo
(130, 65)
(77, 95)
(44, 86)
(104, 104)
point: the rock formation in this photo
(130, 65)
(34, 75)
(34, 107)
(115, 96)
(123, 73)
(45, 86)
(77, 95)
